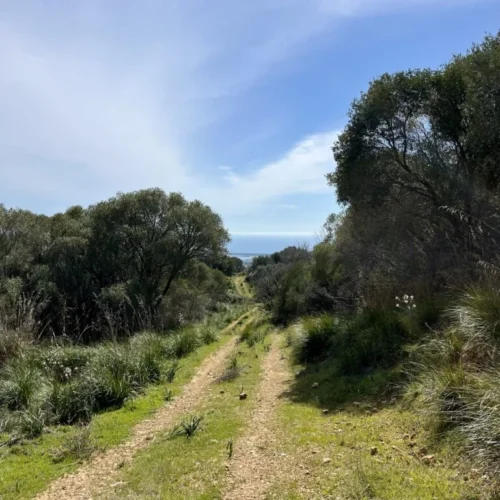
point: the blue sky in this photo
(233, 102)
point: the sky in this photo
(236, 103)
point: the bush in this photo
(318, 340)
(21, 383)
(13, 343)
(74, 401)
(185, 342)
(375, 338)
(64, 363)
(208, 334)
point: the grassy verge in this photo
(29, 466)
(194, 467)
(353, 441)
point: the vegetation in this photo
(406, 277)
(28, 465)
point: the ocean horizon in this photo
(250, 246)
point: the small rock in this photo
(327, 460)
(373, 450)
(315, 385)
(243, 395)
(326, 411)
(314, 452)
(222, 391)
(307, 473)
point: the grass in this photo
(195, 468)
(27, 467)
(373, 448)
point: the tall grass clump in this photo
(456, 376)
(255, 332)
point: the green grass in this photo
(27, 468)
(360, 417)
(195, 468)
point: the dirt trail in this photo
(256, 461)
(97, 477)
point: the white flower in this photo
(414, 305)
(405, 297)
(397, 298)
(411, 297)
(397, 305)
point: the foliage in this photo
(78, 446)
(187, 428)
(372, 339)
(69, 383)
(109, 270)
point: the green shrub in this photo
(13, 343)
(149, 352)
(185, 342)
(374, 338)
(74, 401)
(318, 338)
(114, 375)
(20, 385)
(64, 363)
(208, 334)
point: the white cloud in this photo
(302, 169)
(97, 97)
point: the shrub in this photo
(64, 363)
(185, 342)
(208, 334)
(149, 352)
(318, 338)
(74, 401)
(20, 385)
(114, 376)
(373, 338)
(13, 343)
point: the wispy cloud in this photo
(302, 169)
(97, 97)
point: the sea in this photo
(246, 247)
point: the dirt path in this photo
(98, 476)
(256, 461)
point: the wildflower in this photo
(397, 298)
(397, 305)
(414, 305)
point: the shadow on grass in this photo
(320, 385)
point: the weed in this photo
(188, 427)
(229, 448)
(79, 446)
(171, 371)
(232, 371)
(169, 396)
